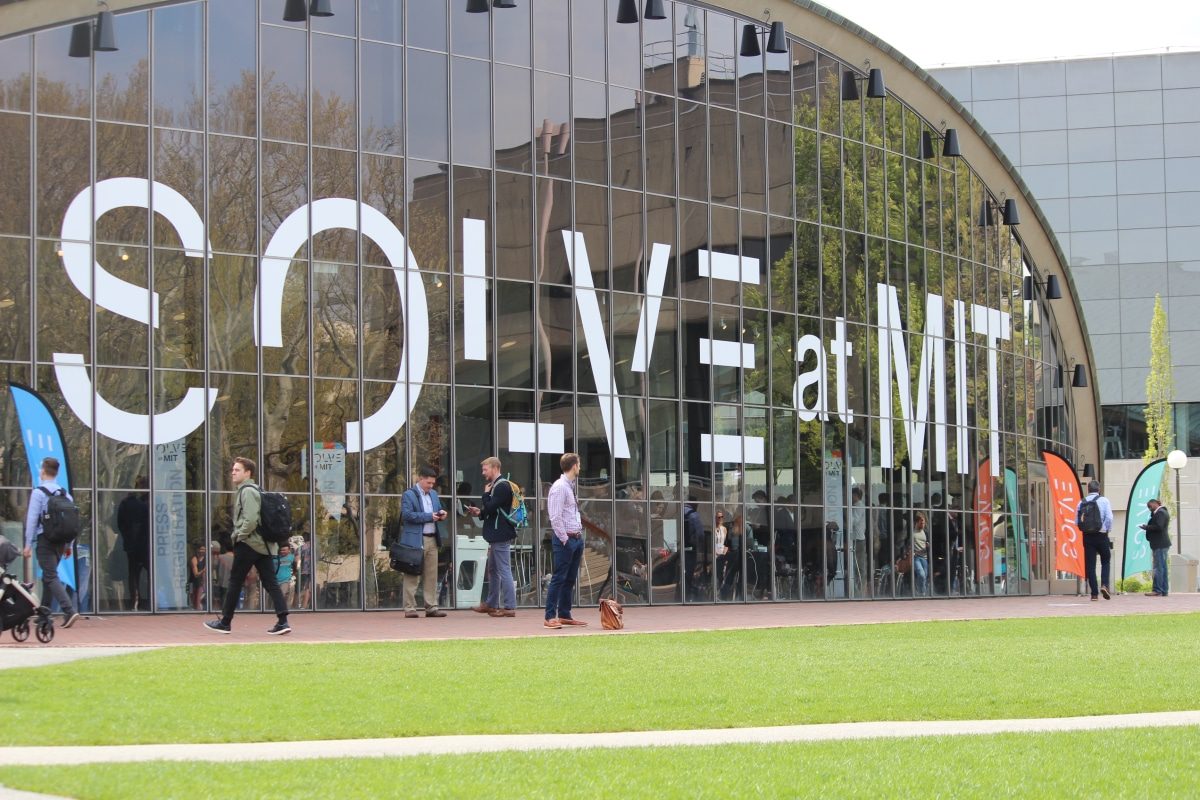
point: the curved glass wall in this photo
(407, 234)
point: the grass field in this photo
(1133, 764)
(941, 670)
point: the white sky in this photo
(937, 33)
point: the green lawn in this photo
(941, 670)
(1134, 764)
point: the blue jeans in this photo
(1161, 557)
(499, 573)
(921, 570)
(566, 570)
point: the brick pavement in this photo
(357, 626)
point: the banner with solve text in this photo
(1065, 495)
(983, 521)
(1137, 556)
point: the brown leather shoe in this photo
(1153, 594)
(552, 623)
(482, 608)
(435, 613)
(570, 621)
(411, 615)
(502, 612)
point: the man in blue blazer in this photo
(420, 513)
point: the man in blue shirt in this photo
(1095, 527)
(48, 553)
(420, 513)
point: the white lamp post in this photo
(1177, 460)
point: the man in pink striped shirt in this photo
(562, 504)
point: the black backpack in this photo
(60, 519)
(274, 518)
(1089, 519)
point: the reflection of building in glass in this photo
(724, 286)
(1109, 147)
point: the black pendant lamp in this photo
(653, 10)
(927, 151)
(1079, 380)
(750, 48)
(875, 87)
(777, 41)
(1011, 215)
(477, 6)
(1089, 470)
(320, 8)
(950, 146)
(295, 11)
(1058, 377)
(1027, 288)
(627, 12)
(849, 85)
(985, 214)
(1053, 291)
(104, 39)
(81, 40)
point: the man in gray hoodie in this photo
(250, 550)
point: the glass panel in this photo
(382, 98)
(693, 149)
(283, 75)
(511, 35)
(15, 300)
(232, 87)
(64, 84)
(179, 66)
(551, 39)
(426, 114)
(469, 33)
(63, 165)
(472, 111)
(15, 64)
(333, 98)
(587, 39)
(14, 180)
(590, 127)
(427, 25)
(513, 128)
(381, 20)
(121, 81)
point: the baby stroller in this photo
(18, 605)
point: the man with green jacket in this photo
(250, 550)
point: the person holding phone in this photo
(420, 513)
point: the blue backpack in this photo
(517, 514)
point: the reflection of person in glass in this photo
(197, 577)
(920, 553)
(562, 504)
(421, 511)
(250, 551)
(133, 523)
(858, 537)
(499, 533)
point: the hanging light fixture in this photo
(1011, 215)
(1058, 376)
(927, 151)
(654, 10)
(777, 41)
(1027, 288)
(295, 11)
(750, 48)
(81, 40)
(1089, 470)
(477, 6)
(1079, 380)
(1053, 292)
(104, 39)
(320, 8)
(504, 4)
(875, 87)
(950, 146)
(849, 85)
(627, 12)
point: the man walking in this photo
(48, 553)
(562, 504)
(499, 533)
(1095, 519)
(250, 551)
(133, 523)
(420, 513)
(1159, 538)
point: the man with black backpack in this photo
(499, 531)
(251, 549)
(49, 522)
(1095, 519)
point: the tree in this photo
(1160, 394)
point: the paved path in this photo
(440, 745)
(13, 657)
(377, 626)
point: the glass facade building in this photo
(407, 234)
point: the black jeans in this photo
(245, 557)
(1097, 544)
(48, 556)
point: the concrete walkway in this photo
(15, 657)
(442, 745)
